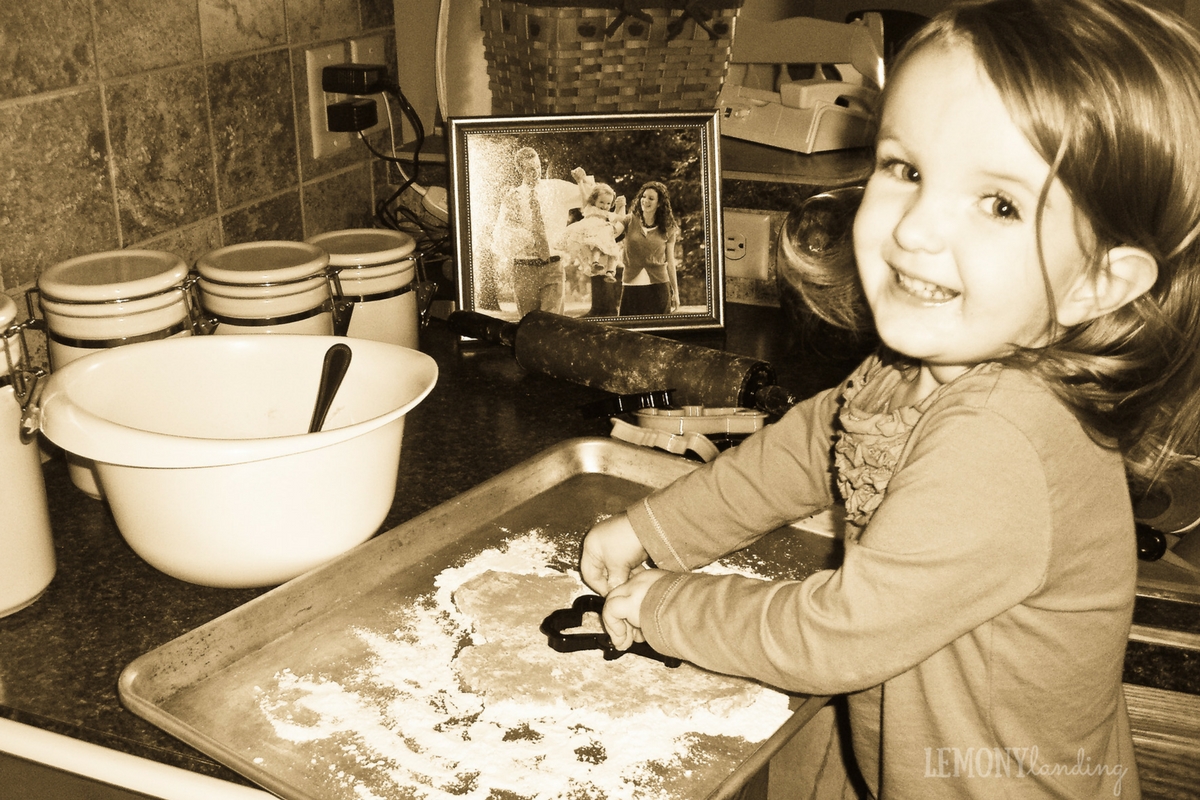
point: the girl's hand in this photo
(611, 553)
(622, 615)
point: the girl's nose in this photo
(922, 224)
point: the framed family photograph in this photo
(613, 217)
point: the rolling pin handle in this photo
(474, 325)
(1151, 543)
(774, 400)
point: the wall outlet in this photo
(747, 244)
(325, 142)
(369, 50)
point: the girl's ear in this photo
(1129, 273)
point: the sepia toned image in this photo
(599, 400)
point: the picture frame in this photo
(527, 238)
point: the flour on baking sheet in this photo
(465, 699)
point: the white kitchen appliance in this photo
(760, 103)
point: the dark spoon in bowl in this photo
(333, 370)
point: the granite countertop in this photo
(61, 657)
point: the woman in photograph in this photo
(650, 282)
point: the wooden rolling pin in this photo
(622, 361)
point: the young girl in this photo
(592, 241)
(1027, 246)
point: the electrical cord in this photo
(432, 204)
(409, 181)
(433, 240)
(430, 231)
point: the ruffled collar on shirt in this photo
(873, 434)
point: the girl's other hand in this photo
(621, 615)
(611, 552)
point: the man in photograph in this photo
(521, 240)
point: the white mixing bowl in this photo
(202, 450)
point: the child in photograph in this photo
(1027, 245)
(592, 240)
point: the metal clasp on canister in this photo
(273, 286)
(372, 277)
(108, 299)
(29, 563)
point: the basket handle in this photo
(635, 8)
(698, 15)
(628, 8)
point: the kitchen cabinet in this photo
(33, 780)
(39, 765)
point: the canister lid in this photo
(262, 263)
(112, 275)
(364, 247)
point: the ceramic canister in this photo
(108, 299)
(267, 287)
(374, 271)
(28, 564)
(103, 300)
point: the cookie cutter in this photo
(705, 420)
(697, 443)
(564, 619)
(625, 403)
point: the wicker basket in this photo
(600, 56)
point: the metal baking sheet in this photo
(203, 687)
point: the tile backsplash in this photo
(179, 125)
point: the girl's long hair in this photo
(1108, 93)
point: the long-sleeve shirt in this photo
(978, 624)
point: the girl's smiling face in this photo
(946, 236)
(649, 205)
